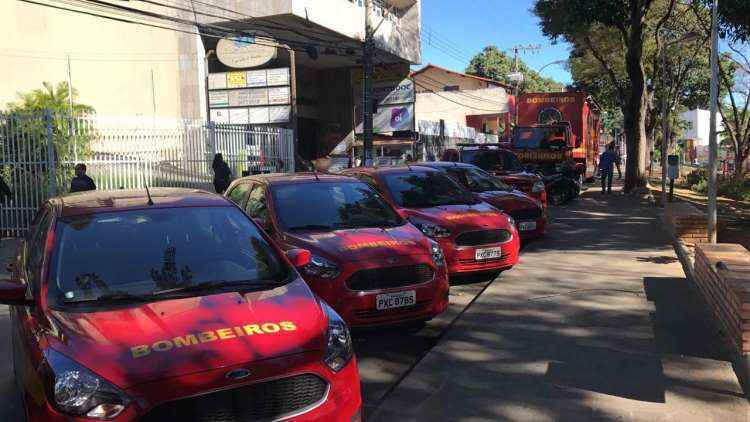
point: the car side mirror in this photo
(299, 257)
(12, 293)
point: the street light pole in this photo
(367, 94)
(712, 141)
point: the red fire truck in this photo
(555, 126)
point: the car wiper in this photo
(110, 297)
(214, 284)
(311, 227)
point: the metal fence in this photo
(38, 154)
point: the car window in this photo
(35, 246)
(477, 180)
(143, 252)
(416, 189)
(491, 159)
(238, 193)
(256, 206)
(331, 205)
(367, 179)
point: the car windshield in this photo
(492, 160)
(539, 138)
(140, 254)
(417, 189)
(324, 206)
(477, 180)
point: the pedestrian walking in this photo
(222, 173)
(4, 190)
(607, 161)
(81, 182)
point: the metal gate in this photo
(38, 154)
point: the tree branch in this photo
(605, 66)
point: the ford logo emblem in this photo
(238, 374)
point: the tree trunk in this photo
(635, 116)
(739, 166)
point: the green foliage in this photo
(700, 187)
(696, 176)
(735, 189)
(492, 63)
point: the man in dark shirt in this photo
(81, 182)
(607, 161)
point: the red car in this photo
(475, 236)
(368, 263)
(504, 163)
(526, 211)
(169, 306)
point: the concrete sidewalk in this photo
(597, 322)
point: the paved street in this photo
(596, 323)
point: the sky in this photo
(453, 31)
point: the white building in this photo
(698, 124)
(128, 65)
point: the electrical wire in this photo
(439, 85)
(495, 111)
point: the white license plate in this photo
(395, 300)
(488, 253)
(527, 225)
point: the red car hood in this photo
(462, 217)
(363, 244)
(133, 345)
(519, 178)
(508, 201)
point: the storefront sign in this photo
(256, 78)
(217, 81)
(236, 79)
(279, 95)
(394, 93)
(218, 98)
(220, 115)
(239, 116)
(394, 118)
(258, 115)
(258, 97)
(277, 77)
(253, 50)
(279, 114)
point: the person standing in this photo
(81, 182)
(222, 173)
(607, 161)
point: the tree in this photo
(580, 22)
(492, 63)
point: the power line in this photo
(454, 101)
(438, 84)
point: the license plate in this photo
(488, 253)
(527, 225)
(395, 300)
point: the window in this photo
(256, 206)
(238, 194)
(367, 179)
(416, 189)
(35, 245)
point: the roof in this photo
(131, 199)
(444, 164)
(288, 178)
(465, 75)
(393, 169)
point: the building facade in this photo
(123, 62)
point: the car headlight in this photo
(511, 220)
(431, 229)
(436, 252)
(321, 267)
(79, 392)
(538, 187)
(339, 348)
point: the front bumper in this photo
(462, 259)
(358, 308)
(341, 402)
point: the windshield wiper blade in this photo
(214, 284)
(311, 227)
(110, 297)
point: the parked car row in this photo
(169, 304)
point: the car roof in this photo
(445, 164)
(291, 178)
(97, 201)
(393, 169)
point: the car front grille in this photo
(526, 214)
(482, 237)
(420, 306)
(257, 402)
(390, 277)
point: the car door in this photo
(26, 321)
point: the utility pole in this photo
(712, 141)
(70, 112)
(367, 93)
(665, 126)
(518, 82)
(517, 77)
